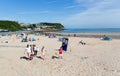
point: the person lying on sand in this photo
(81, 42)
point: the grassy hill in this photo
(10, 25)
(14, 26)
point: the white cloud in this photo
(87, 3)
(104, 14)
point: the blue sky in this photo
(71, 13)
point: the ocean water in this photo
(92, 30)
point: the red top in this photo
(60, 51)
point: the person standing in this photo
(28, 50)
(60, 53)
(35, 50)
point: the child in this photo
(57, 53)
(43, 52)
(31, 56)
(35, 50)
(60, 53)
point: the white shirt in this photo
(28, 50)
(37, 48)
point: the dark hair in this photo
(27, 45)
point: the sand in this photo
(96, 58)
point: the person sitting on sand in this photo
(81, 42)
(31, 56)
(28, 51)
(57, 53)
(74, 35)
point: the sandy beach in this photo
(96, 58)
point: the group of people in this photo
(32, 51)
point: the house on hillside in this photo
(3, 30)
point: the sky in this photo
(70, 13)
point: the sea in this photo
(92, 30)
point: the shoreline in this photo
(88, 35)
